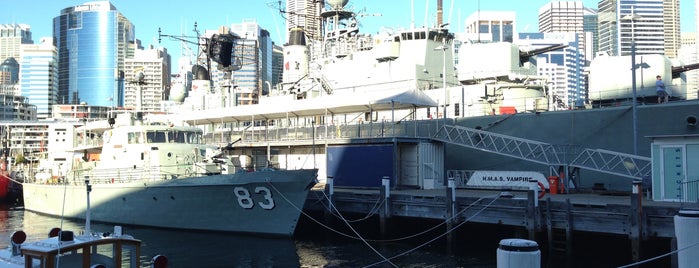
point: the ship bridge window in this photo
(182, 137)
(156, 136)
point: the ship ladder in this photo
(559, 229)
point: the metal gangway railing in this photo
(610, 162)
(605, 161)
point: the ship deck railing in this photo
(124, 175)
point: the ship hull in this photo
(263, 202)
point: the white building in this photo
(145, 92)
(563, 67)
(12, 36)
(568, 17)
(688, 54)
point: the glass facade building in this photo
(38, 76)
(92, 39)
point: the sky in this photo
(175, 17)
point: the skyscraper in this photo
(93, 39)
(652, 24)
(146, 79)
(563, 67)
(256, 71)
(304, 14)
(567, 17)
(11, 37)
(39, 67)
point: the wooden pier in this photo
(553, 217)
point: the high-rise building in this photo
(11, 37)
(653, 25)
(9, 76)
(568, 17)
(563, 67)
(146, 79)
(93, 40)
(671, 26)
(255, 75)
(305, 14)
(277, 64)
(491, 26)
(38, 75)
(591, 33)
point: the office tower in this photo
(255, 75)
(146, 79)
(491, 26)
(304, 14)
(11, 37)
(563, 67)
(569, 17)
(671, 26)
(93, 40)
(591, 33)
(653, 25)
(38, 75)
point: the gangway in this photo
(605, 161)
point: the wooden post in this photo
(451, 207)
(329, 191)
(636, 220)
(532, 206)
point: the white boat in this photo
(152, 173)
(64, 249)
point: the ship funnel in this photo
(297, 37)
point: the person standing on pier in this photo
(660, 89)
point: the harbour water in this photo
(315, 245)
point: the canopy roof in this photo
(287, 106)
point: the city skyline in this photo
(181, 18)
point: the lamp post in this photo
(633, 17)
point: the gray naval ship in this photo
(152, 172)
(394, 104)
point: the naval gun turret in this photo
(610, 77)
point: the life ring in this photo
(542, 188)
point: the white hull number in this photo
(246, 201)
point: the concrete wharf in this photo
(555, 217)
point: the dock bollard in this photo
(519, 253)
(687, 234)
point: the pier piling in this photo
(329, 191)
(385, 212)
(451, 207)
(635, 220)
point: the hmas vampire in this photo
(360, 107)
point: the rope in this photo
(658, 257)
(358, 237)
(347, 223)
(439, 236)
